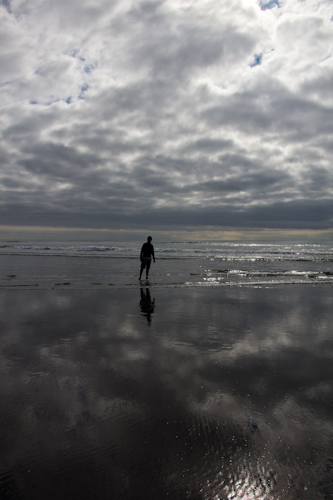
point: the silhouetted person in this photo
(147, 252)
(147, 305)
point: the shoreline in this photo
(156, 286)
(166, 257)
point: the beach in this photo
(166, 392)
(87, 265)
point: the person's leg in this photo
(147, 268)
(141, 269)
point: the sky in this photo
(168, 115)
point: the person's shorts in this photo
(146, 261)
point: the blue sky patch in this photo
(84, 89)
(257, 60)
(264, 5)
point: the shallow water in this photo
(100, 271)
(214, 393)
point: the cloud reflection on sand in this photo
(223, 394)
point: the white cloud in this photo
(192, 105)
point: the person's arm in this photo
(153, 254)
(141, 253)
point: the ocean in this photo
(178, 264)
(214, 381)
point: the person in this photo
(147, 252)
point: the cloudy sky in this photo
(175, 114)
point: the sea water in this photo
(86, 264)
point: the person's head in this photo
(149, 239)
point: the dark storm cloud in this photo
(117, 213)
(199, 113)
(284, 113)
(247, 183)
(208, 146)
(56, 160)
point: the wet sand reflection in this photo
(147, 305)
(218, 394)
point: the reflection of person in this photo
(146, 304)
(147, 252)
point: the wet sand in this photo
(167, 393)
